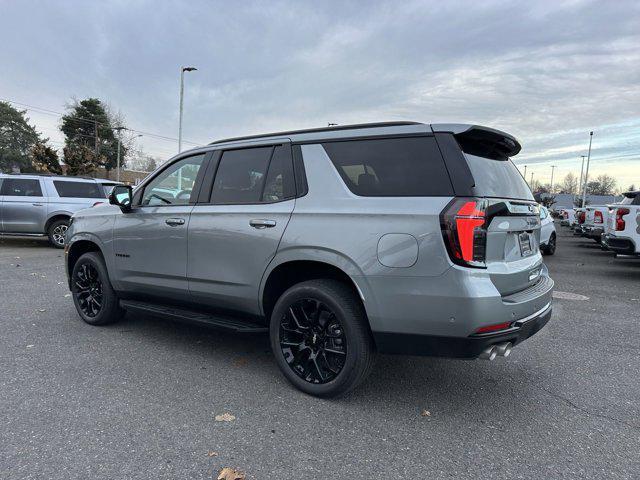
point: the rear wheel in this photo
(94, 298)
(321, 339)
(57, 231)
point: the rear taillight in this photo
(581, 217)
(597, 217)
(463, 224)
(620, 223)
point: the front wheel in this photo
(550, 248)
(94, 298)
(321, 339)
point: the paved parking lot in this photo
(138, 399)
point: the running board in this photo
(228, 324)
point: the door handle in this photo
(174, 222)
(261, 223)
(36, 204)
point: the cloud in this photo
(548, 72)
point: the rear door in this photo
(24, 206)
(513, 257)
(235, 231)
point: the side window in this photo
(280, 182)
(21, 187)
(393, 167)
(78, 189)
(241, 176)
(173, 185)
(543, 213)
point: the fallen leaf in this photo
(211, 453)
(230, 474)
(425, 413)
(240, 362)
(42, 310)
(67, 295)
(30, 346)
(225, 417)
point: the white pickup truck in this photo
(595, 220)
(622, 234)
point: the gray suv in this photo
(339, 242)
(41, 205)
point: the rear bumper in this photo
(460, 347)
(621, 245)
(593, 232)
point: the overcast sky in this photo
(547, 72)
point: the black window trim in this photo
(40, 186)
(139, 193)
(206, 199)
(388, 137)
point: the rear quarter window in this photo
(392, 167)
(78, 189)
(497, 178)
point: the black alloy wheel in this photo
(312, 341)
(88, 290)
(92, 293)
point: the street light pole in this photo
(581, 173)
(552, 169)
(531, 183)
(182, 70)
(525, 173)
(119, 130)
(586, 172)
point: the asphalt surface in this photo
(138, 399)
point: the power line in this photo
(47, 111)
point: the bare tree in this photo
(569, 184)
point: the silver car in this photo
(41, 205)
(339, 242)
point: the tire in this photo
(550, 248)
(344, 345)
(93, 296)
(56, 233)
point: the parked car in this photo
(339, 242)
(623, 229)
(547, 232)
(595, 221)
(567, 216)
(579, 221)
(41, 205)
(107, 185)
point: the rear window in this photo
(392, 167)
(78, 189)
(497, 178)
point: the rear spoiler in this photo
(481, 141)
(631, 194)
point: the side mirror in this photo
(121, 196)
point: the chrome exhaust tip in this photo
(504, 349)
(489, 353)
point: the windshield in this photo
(498, 178)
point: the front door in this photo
(24, 206)
(235, 233)
(150, 241)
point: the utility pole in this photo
(552, 169)
(95, 146)
(586, 172)
(581, 173)
(525, 173)
(531, 183)
(119, 130)
(182, 70)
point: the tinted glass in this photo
(241, 176)
(280, 182)
(173, 185)
(498, 178)
(543, 213)
(399, 167)
(78, 189)
(20, 187)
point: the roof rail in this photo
(314, 130)
(49, 175)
